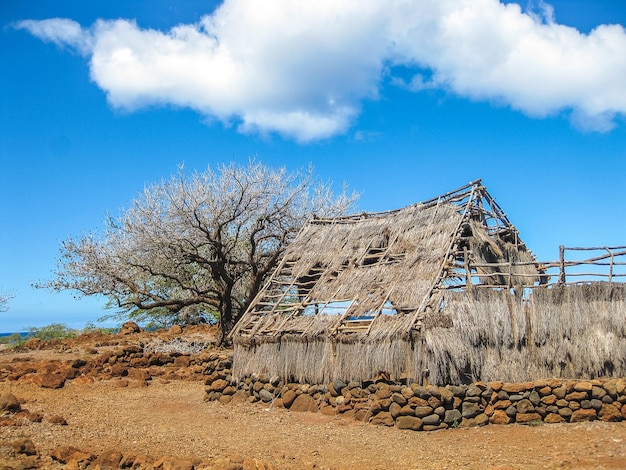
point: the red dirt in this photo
(165, 417)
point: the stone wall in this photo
(429, 408)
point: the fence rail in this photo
(608, 262)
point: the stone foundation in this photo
(428, 408)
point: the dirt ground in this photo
(171, 418)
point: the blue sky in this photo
(99, 98)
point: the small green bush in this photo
(13, 340)
(52, 331)
(90, 327)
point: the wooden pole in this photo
(611, 266)
(468, 270)
(562, 264)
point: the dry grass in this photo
(571, 331)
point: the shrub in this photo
(52, 331)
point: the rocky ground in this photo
(127, 401)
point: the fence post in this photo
(562, 264)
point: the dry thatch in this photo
(424, 290)
(572, 331)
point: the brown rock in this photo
(218, 385)
(565, 412)
(83, 380)
(525, 418)
(597, 392)
(446, 395)
(409, 422)
(467, 423)
(481, 420)
(142, 361)
(182, 361)
(56, 419)
(363, 415)
(139, 374)
(395, 409)
(431, 420)
(24, 446)
(225, 399)
(574, 405)
(553, 418)
(543, 391)
(583, 415)
(10, 403)
(34, 417)
(175, 330)
(560, 392)
(496, 386)
(239, 397)
(502, 404)
(470, 410)
(524, 406)
(517, 387)
(583, 386)
(434, 402)
(119, 370)
(499, 417)
(303, 402)
(610, 387)
(422, 411)
(383, 418)
(170, 463)
(129, 327)
(417, 401)
(63, 454)
(576, 396)
(109, 460)
(47, 380)
(548, 400)
(288, 398)
(79, 460)
(609, 412)
(383, 392)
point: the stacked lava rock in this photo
(430, 407)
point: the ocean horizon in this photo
(21, 333)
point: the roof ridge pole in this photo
(444, 264)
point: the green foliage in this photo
(52, 331)
(160, 317)
(13, 340)
(90, 327)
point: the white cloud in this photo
(61, 31)
(302, 68)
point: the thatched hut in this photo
(436, 290)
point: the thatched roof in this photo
(356, 270)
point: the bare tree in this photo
(202, 241)
(5, 297)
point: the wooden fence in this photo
(605, 263)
